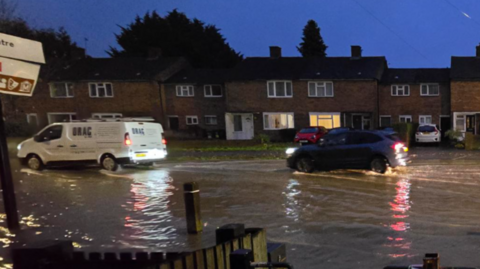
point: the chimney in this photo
(275, 52)
(356, 52)
(154, 53)
(478, 51)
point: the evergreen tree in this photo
(177, 36)
(312, 44)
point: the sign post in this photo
(16, 78)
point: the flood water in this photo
(339, 219)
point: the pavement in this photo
(336, 219)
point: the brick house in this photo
(266, 94)
(101, 88)
(195, 101)
(415, 95)
(465, 97)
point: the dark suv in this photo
(375, 150)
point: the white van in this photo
(110, 143)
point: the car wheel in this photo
(379, 165)
(109, 163)
(35, 163)
(305, 165)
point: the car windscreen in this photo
(309, 130)
(425, 129)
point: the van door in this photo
(51, 144)
(80, 142)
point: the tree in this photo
(177, 36)
(7, 9)
(312, 44)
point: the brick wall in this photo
(349, 96)
(465, 96)
(414, 105)
(197, 105)
(130, 98)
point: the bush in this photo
(454, 135)
(406, 132)
(287, 135)
(263, 138)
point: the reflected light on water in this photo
(400, 207)
(150, 215)
(291, 204)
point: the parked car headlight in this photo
(290, 151)
(19, 147)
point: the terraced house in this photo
(266, 94)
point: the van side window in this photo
(52, 133)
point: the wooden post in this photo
(8, 191)
(192, 207)
(259, 244)
(241, 259)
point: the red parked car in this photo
(310, 135)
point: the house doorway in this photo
(173, 123)
(470, 123)
(357, 122)
(239, 126)
(445, 125)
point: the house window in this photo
(192, 120)
(101, 90)
(327, 120)
(400, 90)
(279, 89)
(405, 118)
(213, 90)
(277, 121)
(320, 89)
(185, 90)
(106, 115)
(237, 123)
(429, 90)
(425, 119)
(211, 120)
(32, 119)
(385, 121)
(61, 117)
(61, 90)
(460, 123)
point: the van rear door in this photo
(146, 138)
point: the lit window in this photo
(400, 90)
(327, 120)
(320, 89)
(279, 89)
(277, 121)
(184, 90)
(61, 90)
(101, 90)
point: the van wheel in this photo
(305, 165)
(379, 165)
(109, 163)
(35, 163)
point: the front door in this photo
(445, 125)
(357, 122)
(470, 123)
(239, 126)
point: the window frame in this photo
(60, 113)
(316, 89)
(210, 116)
(96, 89)
(191, 117)
(464, 125)
(32, 114)
(211, 91)
(406, 117)
(177, 87)
(428, 89)
(275, 88)
(385, 116)
(331, 114)
(425, 116)
(278, 113)
(397, 89)
(67, 90)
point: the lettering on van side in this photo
(139, 131)
(82, 131)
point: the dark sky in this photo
(410, 33)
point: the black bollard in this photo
(192, 207)
(431, 261)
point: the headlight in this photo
(19, 147)
(290, 151)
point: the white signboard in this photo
(17, 77)
(21, 49)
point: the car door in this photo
(51, 144)
(334, 150)
(360, 151)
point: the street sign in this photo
(18, 78)
(21, 49)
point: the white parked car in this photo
(110, 143)
(428, 133)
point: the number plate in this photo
(141, 155)
(304, 141)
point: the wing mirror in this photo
(37, 138)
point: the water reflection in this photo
(150, 213)
(400, 207)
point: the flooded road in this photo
(338, 219)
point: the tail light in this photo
(397, 146)
(164, 141)
(127, 140)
